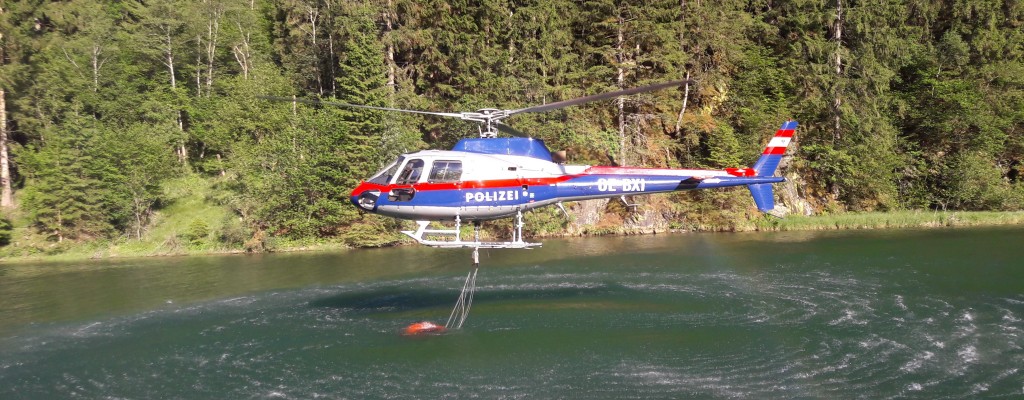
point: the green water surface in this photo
(874, 314)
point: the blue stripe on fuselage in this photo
(613, 185)
(582, 187)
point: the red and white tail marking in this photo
(777, 146)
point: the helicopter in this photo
(491, 177)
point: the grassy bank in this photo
(188, 206)
(193, 221)
(890, 220)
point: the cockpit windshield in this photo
(384, 175)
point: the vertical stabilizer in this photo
(769, 161)
(763, 195)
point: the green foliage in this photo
(233, 233)
(545, 222)
(723, 147)
(973, 182)
(197, 232)
(6, 230)
(69, 192)
(371, 231)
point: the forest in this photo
(105, 104)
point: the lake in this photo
(925, 314)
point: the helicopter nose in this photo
(365, 198)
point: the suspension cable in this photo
(464, 303)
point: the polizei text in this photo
(493, 195)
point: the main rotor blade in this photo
(339, 104)
(566, 103)
(510, 130)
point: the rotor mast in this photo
(488, 118)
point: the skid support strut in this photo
(452, 238)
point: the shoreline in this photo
(833, 222)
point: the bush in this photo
(974, 182)
(5, 231)
(260, 243)
(368, 235)
(233, 233)
(197, 231)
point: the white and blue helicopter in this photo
(493, 177)
(489, 177)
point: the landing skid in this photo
(421, 234)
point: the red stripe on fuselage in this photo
(601, 170)
(515, 183)
(784, 133)
(479, 184)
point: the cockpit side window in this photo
(384, 176)
(411, 172)
(446, 171)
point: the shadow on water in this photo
(395, 299)
(385, 299)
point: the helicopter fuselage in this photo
(485, 179)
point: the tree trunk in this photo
(199, 66)
(60, 225)
(169, 62)
(138, 216)
(6, 198)
(390, 53)
(169, 54)
(97, 51)
(686, 97)
(621, 81)
(313, 16)
(838, 37)
(243, 52)
(331, 59)
(213, 31)
(682, 48)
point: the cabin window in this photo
(383, 177)
(411, 173)
(446, 171)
